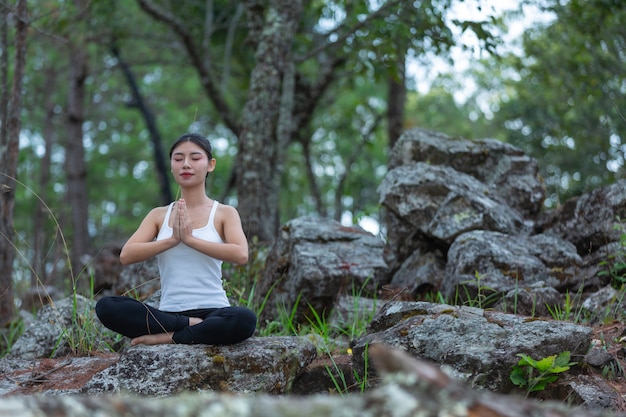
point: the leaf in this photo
(545, 364)
(540, 385)
(526, 361)
(518, 376)
(563, 361)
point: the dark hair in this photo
(196, 138)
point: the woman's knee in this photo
(247, 321)
(103, 309)
(108, 308)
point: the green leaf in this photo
(545, 364)
(518, 377)
(526, 361)
(540, 385)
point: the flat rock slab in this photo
(259, 364)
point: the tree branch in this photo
(349, 32)
(213, 91)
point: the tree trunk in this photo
(148, 116)
(38, 276)
(261, 142)
(75, 168)
(396, 101)
(9, 148)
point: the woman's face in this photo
(190, 163)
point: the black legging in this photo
(220, 326)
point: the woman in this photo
(191, 238)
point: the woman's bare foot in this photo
(153, 339)
(160, 338)
(194, 320)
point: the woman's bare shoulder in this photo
(157, 214)
(226, 210)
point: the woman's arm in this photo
(228, 224)
(141, 245)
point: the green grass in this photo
(10, 335)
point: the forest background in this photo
(302, 101)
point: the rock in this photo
(60, 330)
(313, 262)
(478, 346)
(327, 374)
(422, 271)
(503, 168)
(607, 301)
(353, 309)
(442, 203)
(535, 300)
(139, 280)
(492, 264)
(593, 393)
(411, 387)
(268, 364)
(598, 357)
(589, 221)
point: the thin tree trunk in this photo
(9, 148)
(366, 137)
(212, 88)
(396, 101)
(38, 276)
(75, 169)
(259, 155)
(314, 188)
(148, 116)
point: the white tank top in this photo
(189, 278)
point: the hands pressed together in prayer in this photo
(181, 224)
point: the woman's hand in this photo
(181, 226)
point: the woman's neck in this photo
(195, 198)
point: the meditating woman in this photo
(190, 237)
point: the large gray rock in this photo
(139, 280)
(67, 326)
(439, 187)
(504, 169)
(590, 221)
(443, 203)
(314, 261)
(479, 346)
(490, 264)
(268, 364)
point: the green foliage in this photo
(476, 294)
(571, 310)
(562, 100)
(85, 335)
(9, 335)
(340, 380)
(240, 282)
(615, 264)
(534, 375)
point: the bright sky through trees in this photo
(425, 73)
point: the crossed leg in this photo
(160, 338)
